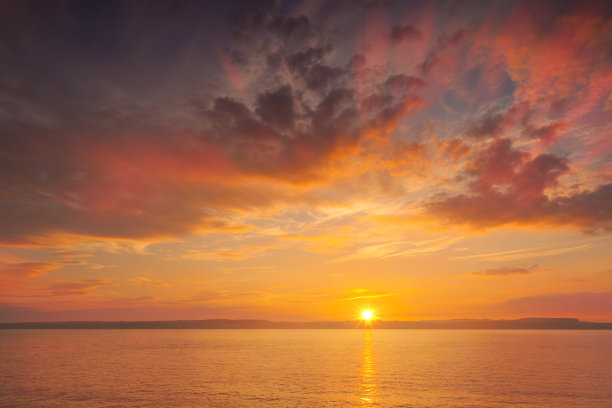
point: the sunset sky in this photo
(305, 160)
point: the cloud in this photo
(508, 270)
(146, 281)
(17, 313)
(75, 288)
(525, 253)
(400, 34)
(288, 27)
(392, 249)
(322, 77)
(369, 295)
(548, 62)
(277, 108)
(332, 127)
(588, 304)
(224, 127)
(252, 15)
(302, 61)
(549, 133)
(25, 269)
(510, 186)
(494, 124)
(453, 150)
(434, 57)
(117, 156)
(488, 126)
(70, 255)
(588, 210)
(401, 83)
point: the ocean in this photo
(305, 368)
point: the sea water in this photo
(305, 368)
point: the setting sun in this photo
(367, 314)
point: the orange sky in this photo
(305, 160)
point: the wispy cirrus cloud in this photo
(26, 269)
(393, 249)
(525, 253)
(77, 288)
(368, 295)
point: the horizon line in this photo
(560, 323)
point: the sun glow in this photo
(367, 315)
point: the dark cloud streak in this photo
(508, 270)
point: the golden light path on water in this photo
(368, 386)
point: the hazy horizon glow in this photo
(305, 160)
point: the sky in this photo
(305, 160)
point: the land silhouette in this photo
(517, 324)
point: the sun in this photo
(367, 315)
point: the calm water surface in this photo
(305, 368)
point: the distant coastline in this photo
(517, 324)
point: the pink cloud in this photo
(83, 287)
(510, 186)
(584, 305)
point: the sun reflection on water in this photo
(368, 381)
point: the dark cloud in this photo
(302, 61)
(334, 121)
(309, 66)
(267, 35)
(401, 33)
(444, 42)
(98, 176)
(547, 134)
(494, 124)
(57, 182)
(488, 126)
(321, 77)
(402, 83)
(508, 186)
(496, 165)
(589, 209)
(508, 270)
(288, 27)
(138, 188)
(97, 137)
(117, 173)
(251, 145)
(251, 15)
(536, 176)
(239, 58)
(376, 102)
(247, 141)
(388, 118)
(357, 62)
(266, 16)
(137, 218)
(277, 108)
